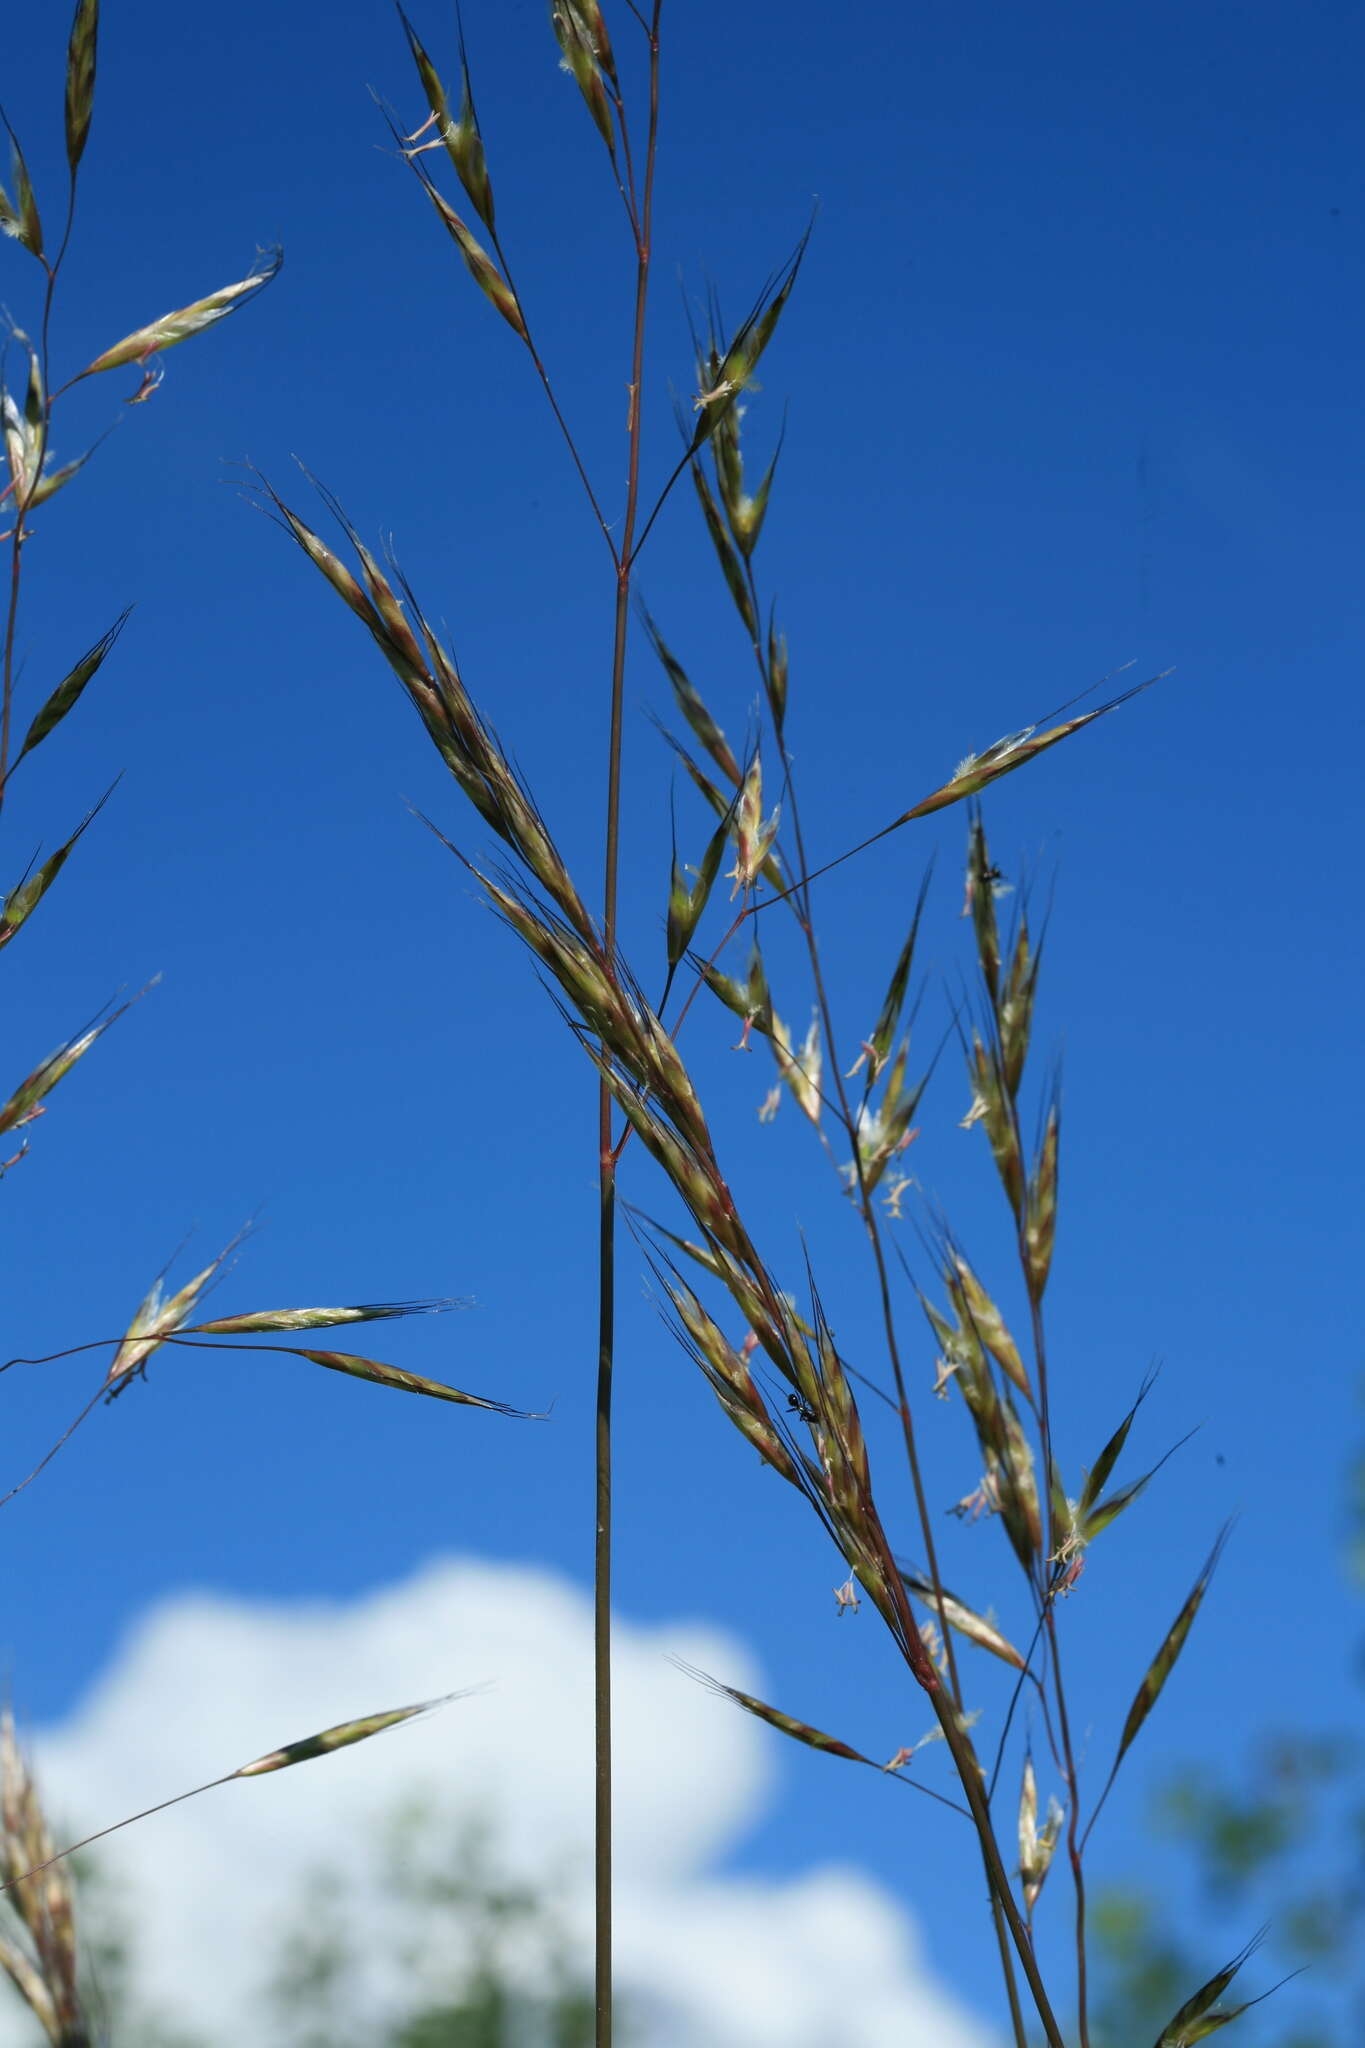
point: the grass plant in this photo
(768, 1351)
(38, 1946)
(777, 1370)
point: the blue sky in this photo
(1072, 372)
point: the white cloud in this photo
(823, 1959)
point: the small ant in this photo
(125, 1380)
(992, 879)
(802, 1408)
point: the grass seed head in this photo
(65, 696)
(974, 773)
(173, 328)
(730, 373)
(24, 428)
(1040, 1222)
(801, 1070)
(19, 217)
(725, 446)
(1014, 1011)
(744, 512)
(53, 480)
(406, 1383)
(731, 1380)
(44, 1969)
(883, 1132)
(402, 648)
(465, 144)
(839, 1411)
(1019, 1487)
(27, 1099)
(977, 1628)
(690, 703)
(1099, 1472)
(339, 1737)
(726, 553)
(687, 903)
(1173, 1642)
(989, 1324)
(785, 1724)
(80, 79)
(747, 513)
(595, 27)
(734, 994)
(981, 879)
(1036, 1845)
(878, 1046)
(1066, 1533)
(478, 262)
(778, 672)
(434, 91)
(754, 834)
(575, 26)
(332, 567)
(27, 1980)
(26, 895)
(461, 138)
(157, 1318)
(1201, 2015)
(279, 1321)
(724, 807)
(990, 1107)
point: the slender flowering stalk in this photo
(643, 225)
